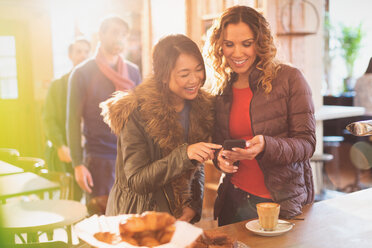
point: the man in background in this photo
(90, 84)
(54, 115)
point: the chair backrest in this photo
(49, 244)
(64, 179)
(361, 155)
(9, 155)
(30, 164)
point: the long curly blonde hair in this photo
(264, 46)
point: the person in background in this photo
(269, 105)
(91, 83)
(363, 91)
(54, 115)
(164, 126)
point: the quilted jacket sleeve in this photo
(300, 143)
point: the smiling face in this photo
(238, 47)
(113, 38)
(186, 78)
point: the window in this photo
(8, 68)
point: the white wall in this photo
(351, 13)
(168, 17)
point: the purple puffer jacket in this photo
(285, 118)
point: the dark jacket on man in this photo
(54, 117)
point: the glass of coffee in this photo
(268, 214)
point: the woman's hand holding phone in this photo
(225, 164)
(253, 147)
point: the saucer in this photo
(254, 226)
(238, 244)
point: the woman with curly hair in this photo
(269, 105)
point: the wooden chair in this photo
(332, 145)
(361, 158)
(49, 244)
(319, 173)
(30, 164)
(40, 216)
(9, 155)
(64, 179)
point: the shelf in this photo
(295, 33)
(287, 28)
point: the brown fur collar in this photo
(161, 120)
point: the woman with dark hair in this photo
(363, 91)
(164, 126)
(269, 105)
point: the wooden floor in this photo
(339, 178)
(342, 173)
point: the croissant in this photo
(129, 239)
(149, 241)
(212, 239)
(148, 221)
(107, 237)
(166, 235)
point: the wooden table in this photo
(25, 184)
(8, 169)
(40, 216)
(345, 221)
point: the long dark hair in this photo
(369, 68)
(166, 53)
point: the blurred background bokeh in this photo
(35, 34)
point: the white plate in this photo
(254, 226)
(238, 244)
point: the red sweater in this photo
(249, 176)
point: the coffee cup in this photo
(268, 214)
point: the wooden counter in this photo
(345, 221)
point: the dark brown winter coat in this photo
(285, 118)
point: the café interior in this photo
(34, 38)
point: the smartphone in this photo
(230, 143)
